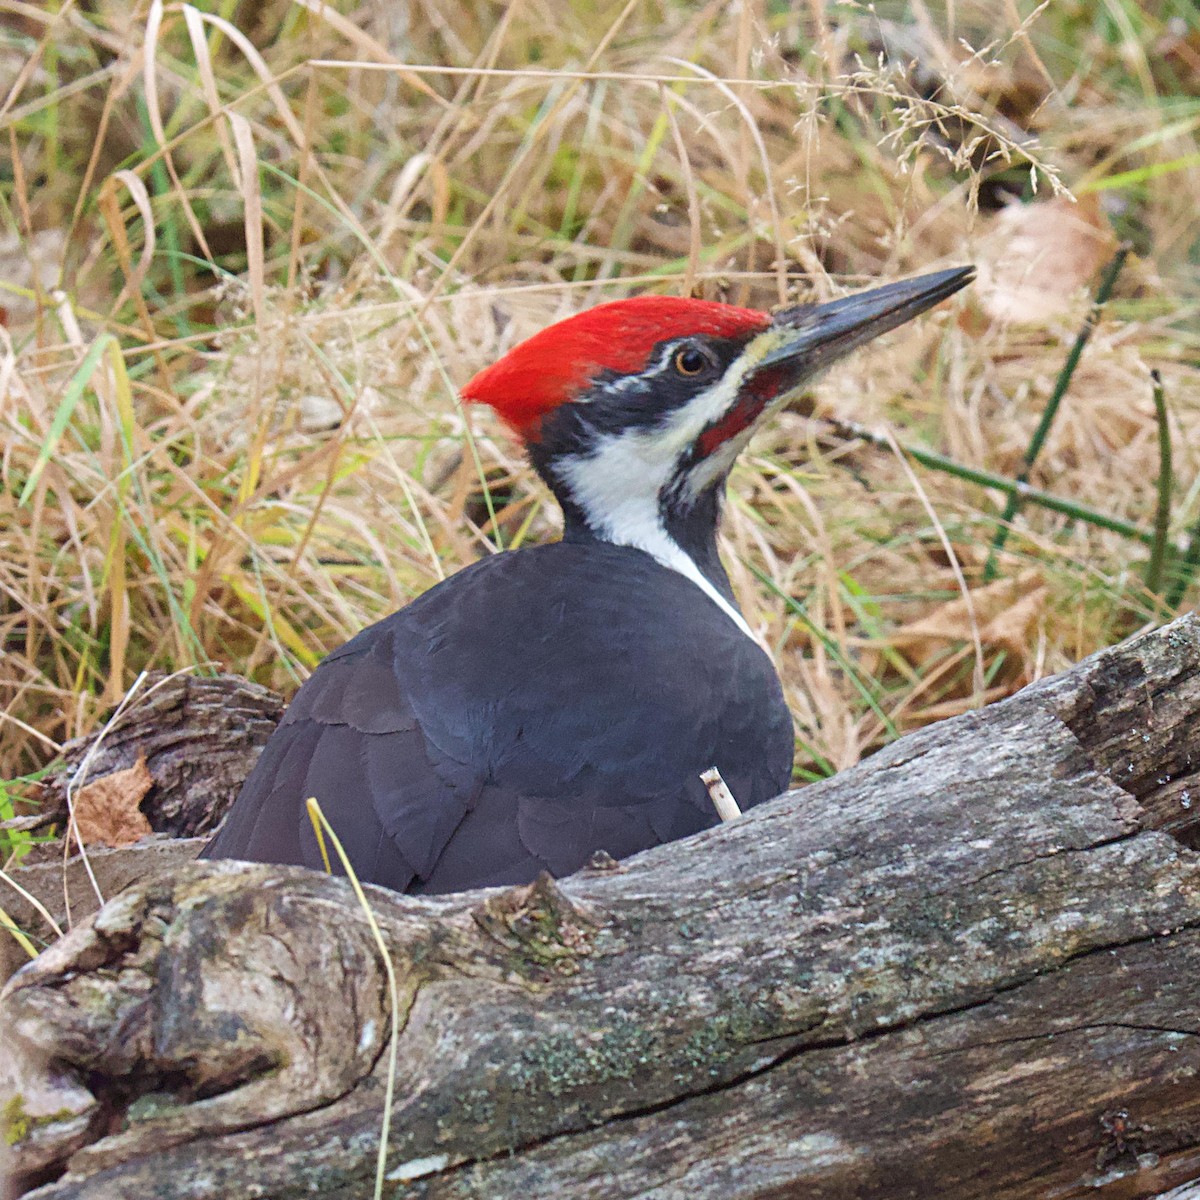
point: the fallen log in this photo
(197, 736)
(966, 967)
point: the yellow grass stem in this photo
(317, 817)
(14, 931)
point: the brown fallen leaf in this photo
(1004, 611)
(1014, 629)
(1038, 257)
(107, 811)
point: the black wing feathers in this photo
(450, 746)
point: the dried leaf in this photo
(107, 811)
(1012, 629)
(1040, 256)
(1000, 609)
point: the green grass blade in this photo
(989, 479)
(1162, 516)
(861, 685)
(66, 409)
(1052, 405)
(1185, 570)
(1141, 174)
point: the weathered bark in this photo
(70, 892)
(965, 968)
(199, 737)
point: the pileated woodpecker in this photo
(548, 703)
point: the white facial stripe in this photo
(618, 483)
(721, 460)
(687, 423)
(719, 463)
(617, 486)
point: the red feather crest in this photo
(557, 364)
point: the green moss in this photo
(15, 1120)
(16, 1124)
(564, 1063)
(539, 927)
(149, 1107)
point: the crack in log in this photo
(1048, 1035)
(796, 1050)
(1131, 692)
(1045, 856)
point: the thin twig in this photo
(79, 777)
(727, 807)
(33, 901)
(74, 783)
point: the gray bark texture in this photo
(965, 968)
(199, 738)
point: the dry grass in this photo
(250, 250)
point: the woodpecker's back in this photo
(532, 709)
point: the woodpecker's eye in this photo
(691, 361)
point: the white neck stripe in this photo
(671, 554)
(634, 521)
(617, 483)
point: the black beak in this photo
(819, 334)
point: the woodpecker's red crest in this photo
(557, 364)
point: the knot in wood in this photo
(538, 921)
